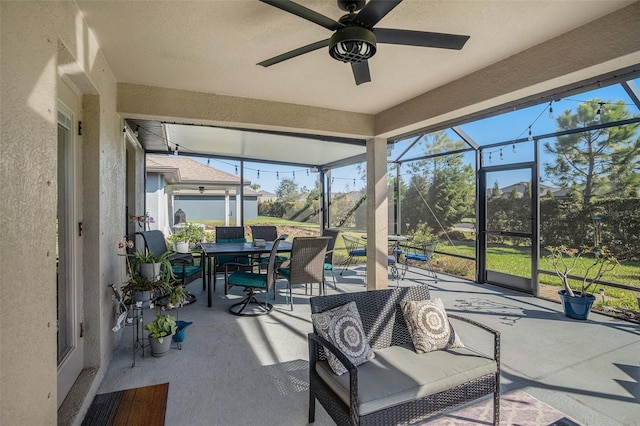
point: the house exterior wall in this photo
(159, 203)
(202, 207)
(37, 40)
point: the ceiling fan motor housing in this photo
(351, 5)
(352, 44)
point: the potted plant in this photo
(150, 266)
(596, 261)
(162, 326)
(186, 236)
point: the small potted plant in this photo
(596, 261)
(187, 236)
(162, 326)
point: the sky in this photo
(506, 127)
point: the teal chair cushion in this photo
(285, 272)
(247, 279)
(189, 270)
(328, 267)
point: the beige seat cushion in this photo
(398, 374)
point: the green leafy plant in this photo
(597, 261)
(190, 233)
(176, 296)
(161, 327)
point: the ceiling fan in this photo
(354, 37)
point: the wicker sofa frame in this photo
(385, 326)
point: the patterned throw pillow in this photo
(429, 326)
(342, 326)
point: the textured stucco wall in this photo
(139, 101)
(37, 39)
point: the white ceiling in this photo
(213, 46)
(267, 147)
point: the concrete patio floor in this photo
(249, 371)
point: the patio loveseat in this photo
(397, 385)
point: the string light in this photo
(175, 151)
(258, 174)
(293, 173)
(530, 137)
(501, 157)
(307, 172)
(599, 112)
(236, 169)
(551, 109)
(278, 175)
(354, 182)
(514, 148)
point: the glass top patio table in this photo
(211, 250)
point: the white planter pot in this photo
(182, 246)
(160, 349)
(150, 271)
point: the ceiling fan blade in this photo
(296, 52)
(420, 38)
(374, 11)
(305, 13)
(361, 72)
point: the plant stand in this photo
(137, 319)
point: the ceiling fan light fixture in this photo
(352, 44)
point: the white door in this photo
(69, 279)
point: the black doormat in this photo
(145, 406)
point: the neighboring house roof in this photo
(521, 187)
(186, 172)
(264, 193)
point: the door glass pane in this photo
(509, 201)
(63, 282)
(509, 255)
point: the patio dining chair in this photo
(253, 282)
(328, 258)
(422, 253)
(306, 265)
(355, 248)
(264, 232)
(267, 233)
(182, 264)
(230, 234)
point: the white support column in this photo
(227, 207)
(238, 206)
(377, 214)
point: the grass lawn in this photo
(517, 261)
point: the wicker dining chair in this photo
(306, 265)
(328, 258)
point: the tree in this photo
(287, 191)
(255, 186)
(440, 190)
(598, 162)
